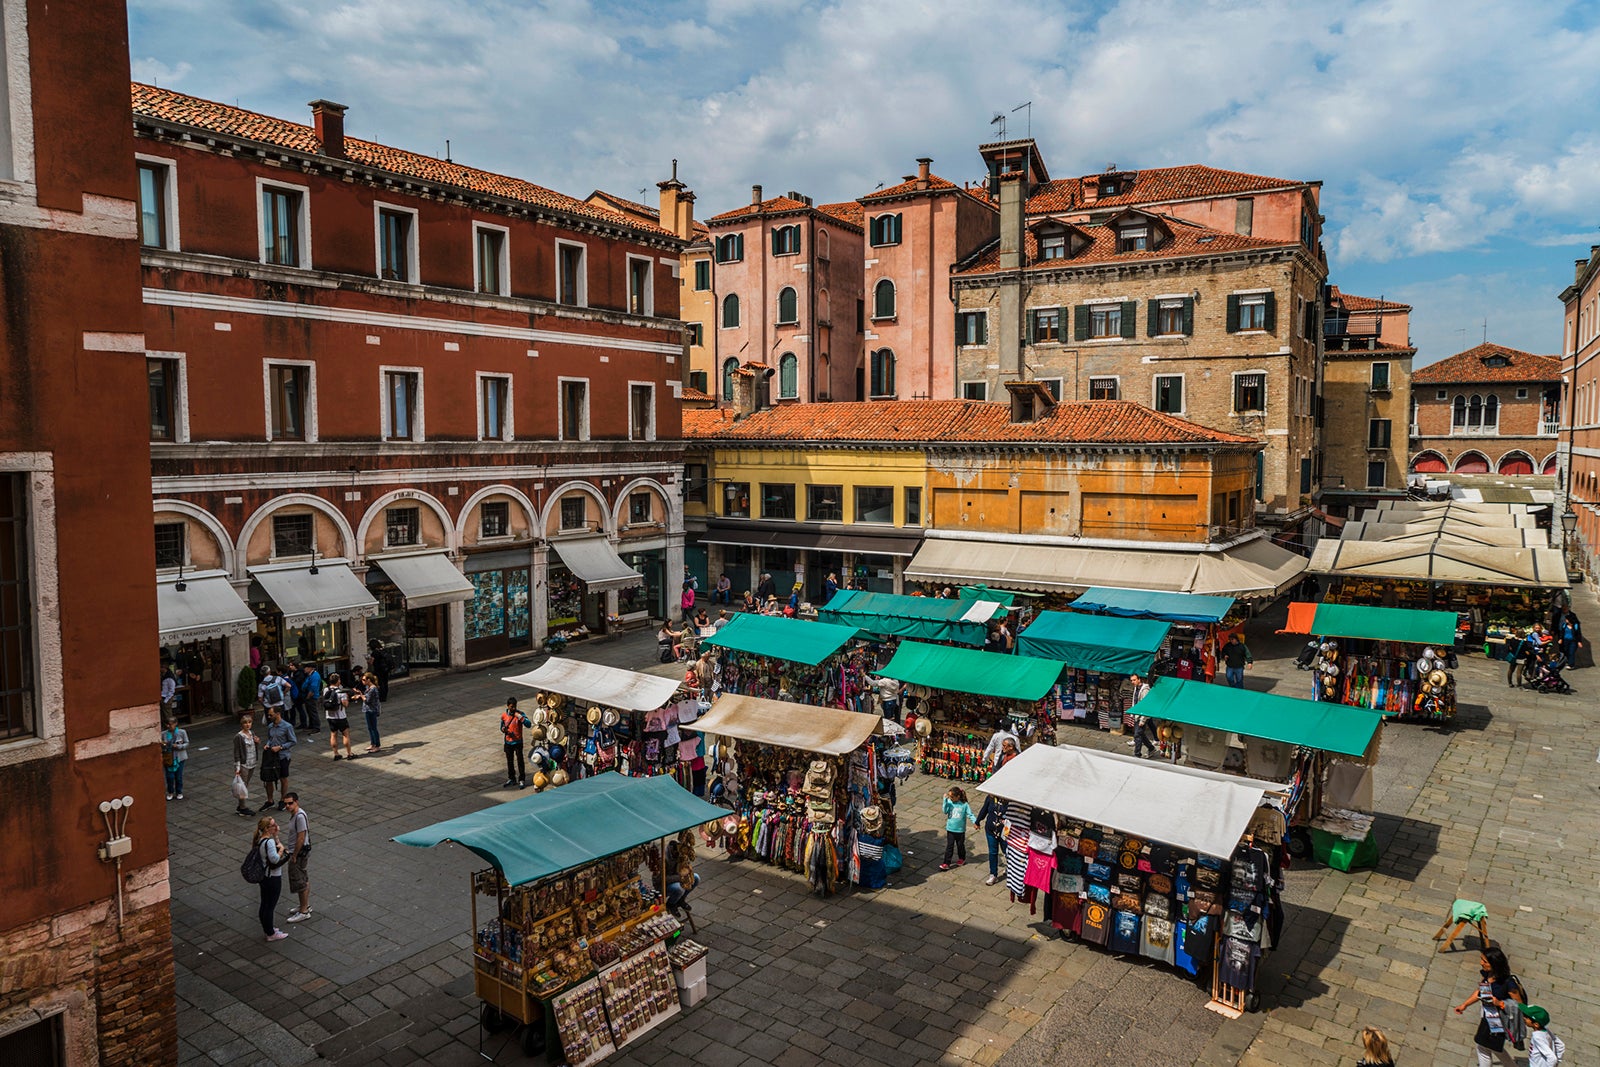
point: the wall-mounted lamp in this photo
(117, 843)
(313, 569)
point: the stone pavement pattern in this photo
(936, 969)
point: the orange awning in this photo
(1301, 616)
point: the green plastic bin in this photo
(1334, 851)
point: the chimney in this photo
(1013, 217)
(686, 215)
(755, 195)
(751, 390)
(671, 213)
(923, 163)
(328, 120)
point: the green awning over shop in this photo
(1094, 642)
(927, 618)
(537, 836)
(983, 592)
(967, 670)
(1154, 604)
(1384, 624)
(1323, 725)
(795, 640)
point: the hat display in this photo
(540, 781)
(555, 733)
(555, 701)
(558, 753)
(594, 716)
(610, 717)
(558, 778)
(872, 820)
(1438, 679)
(924, 727)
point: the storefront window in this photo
(326, 642)
(875, 503)
(566, 597)
(498, 612)
(647, 596)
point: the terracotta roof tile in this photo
(1352, 302)
(1473, 366)
(848, 212)
(164, 105)
(691, 393)
(703, 423)
(634, 209)
(1155, 185)
(770, 206)
(1188, 239)
(908, 186)
(917, 422)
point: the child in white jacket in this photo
(1544, 1048)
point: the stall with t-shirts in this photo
(791, 659)
(1395, 660)
(1101, 652)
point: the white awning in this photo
(596, 563)
(425, 578)
(805, 727)
(593, 683)
(1438, 561)
(206, 607)
(331, 594)
(1182, 806)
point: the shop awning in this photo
(1182, 806)
(968, 670)
(1154, 604)
(205, 608)
(1313, 724)
(831, 731)
(1533, 568)
(595, 683)
(983, 592)
(1094, 642)
(864, 543)
(929, 618)
(795, 640)
(426, 579)
(544, 834)
(1448, 532)
(1375, 624)
(309, 594)
(1462, 513)
(596, 563)
(1254, 568)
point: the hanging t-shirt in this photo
(1237, 961)
(1193, 944)
(1156, 939)
(1186, 663)
(1096, 923)
(1125, 932)
(1040, 864)
(1017, 851)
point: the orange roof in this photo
(164, 105)
(917, 422)
(1189, 182)
(691, 393)
(1352, 302)
(705, 422)
(634, 209)
(910, 185)
(849, 212)
(1474, 365)
(1188, 239)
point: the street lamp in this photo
(1569, 523)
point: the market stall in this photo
(773, 656)
(964, 622)
(1100, 653)
(804, 782)
(570, 940)
(966, 695)
(1145, 859)
(1201, 625)
(1392, 660)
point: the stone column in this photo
(672, 581)
(236, 657)
(539, 593)
(455, 624)
(899, 573)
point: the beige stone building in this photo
(1366, 399)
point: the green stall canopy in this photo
(983, 592)
(1323, 725)
(554, 831)
(927, 618)
(1153, 604)
(1094, 642)
(967, 670)
(795, 640)
(1384, 624)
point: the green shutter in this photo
(1080, 322)
(1272, 313)
(1233, 315)
(897, 228)
(738, 246)
(1188, 316)
(1152, 322)
(1027, 317)
(777, 243)
(1130, 324)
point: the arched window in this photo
(1491, 413)
(728, 367)
(883, 300)
(1458, 417)
(883, 372)
(788, 305)
(730, 311)
(1474, 412)
(788, 377)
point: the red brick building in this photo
(1490, 409)
(85, 934)
(395, 399)
(1579, 488)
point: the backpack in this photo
(330, 699)
(1516, 1025)
(254, 868)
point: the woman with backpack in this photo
(1498, 993)
(273, 858)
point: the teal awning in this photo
(967, 670)
(537, 836)
(983, 592)
(927, 618)
(1153, 604)
(795, 640)
(1324, 725)
(1094, 642)
(1382, 624)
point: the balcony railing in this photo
(1549, 428)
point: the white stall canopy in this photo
(200, 607)
(309, 594)
(594, 683)
(830, 731)
(426, 579)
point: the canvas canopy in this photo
(538, 836)
(1459, 512)
(596, 563)
(595, 683)
(206, 607)
(1376, 624)
(795, 640)
(1182, 806)
(426, 578)
(1535, 568)
(967, 670)
(1154, 604)
(1311, 724)
(1094, 642)
(1448, 532)
(983, 592)
(830, 731)
(311, 593)
(929, 618)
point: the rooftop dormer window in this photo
(1110, 186)
(1497, 361)
(1133, 238)
(1053, 244)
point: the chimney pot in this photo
(328, 120)
(755, 194)
(923, 171)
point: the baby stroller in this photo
(1308, 655)
(1547, 673)
(664, 647)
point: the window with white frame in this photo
(786, 241)
(1102, 389)
(641, 411)
(291, 402)
(17, 609)
(572, 280)
(972, 328)
(1053, 244)
(494, 519)
(883, 299)
(1253, 311)
(165, 378)
(491, 259)
(397, 243)
(574, 397)
(1133, 238)
(1250, 392)
(641, 291)
(158, 201)
(729, 248)
(1105, 320)
(882, 373)
(1172, 317)
(285, 225)
(402, 526)
(1169, 393)
(494, 407)
(1044, 324)
(402, 405)
(1380, 377)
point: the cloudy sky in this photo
(1457, 140)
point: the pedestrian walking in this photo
(1375, 1049)
(1498, 992)
(992, 817)
(299, 851)
(246, 758)
(1144, 728)
(686, 600)
(1235, 658)
(1571, 634)
(372, 701)
(997, 740)
(311, 686)
(169, 692)
(336, 709)
(273, 692)
(378, 667)
(273, 860)
(1544, 1048)
(830, 586)
(276, 755)
(1513, 656)
(174, 753)
(512, 722)
(766, 588)
(957, 814)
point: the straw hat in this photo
(540, 781)
(555, 701)
(872, 820)
(536, 732)
(924, 727)
(594, 716)
(539, 700)
(555, 733)
(1438, 679)
(558, 778)
(610, 717)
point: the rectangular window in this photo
(170, 545)
(641, 299)
(1305, 475)
(490, 250)
(1169, 318)
(786, 241)
(736, 500)
(861, 316)
(1102, 389)
(291, 535)
(574, 511)
(1377, 474)
(1378, 431)
(697, 337)
(641, 510)
(1133, 239)
(1053, 246)
(280, 225)
(1169, 393)
(730, 248)
(290, 401)
(875, 503)
(394, 245)
(1105, 320)
(825, 503)
(571, 285)
(698, 380)
(495, 408)
(574, 411)
(402, 527)
(913, 505)
(1253, 312)
(1045, 324)
(16, 610)
(974, 390)
(694, 482)
(1249, 392)
(1051, 386)
(400, 397)
(702, 275)
(494, 519)
(163, 377)
(777, 501)
(1380, 377)
(972, 328)
(641, 412)
(153, 192)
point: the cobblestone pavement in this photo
(937, 968)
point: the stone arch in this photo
(1551, 464)
(375, 512)
(672, 502)
(1516, 462)
(349, 550)
(560, 491)
(212, 524)
(1473, 462)
(1429, 462)
(529, 508)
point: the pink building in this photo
(1579, 489)
(1490, 409)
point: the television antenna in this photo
(1029, 105)
(999, 120)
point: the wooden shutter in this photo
(1130, 324)
(1080, 323)
(1152, 322)
(1028, 325)
(896, 228)
(738, 246)
(777, 241)
(1233, 312)
(1188, 316)
(1272, 312)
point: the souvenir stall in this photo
(1394, 660)
(963, 622)
(1201, 625)
(1100, 652)
(1146, 859)
(1322, 753)
(570, 937)
(790, 659)
(803, 782)
(964, 696)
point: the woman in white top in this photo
(272, 858)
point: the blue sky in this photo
(1457, 140)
